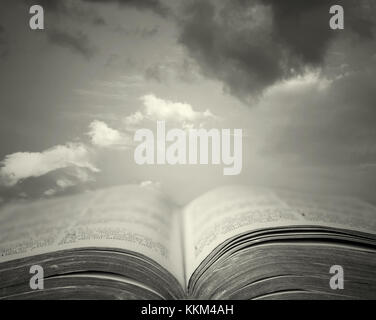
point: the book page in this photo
(226, 212)
(126, 218)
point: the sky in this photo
(73, 94)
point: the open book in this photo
(234, 242)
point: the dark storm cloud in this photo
(46, 4)
(99, 21)
(70, 9)
(154, 5)
(140, 32)
(303, 26)
(77, 42)
(251, 44)
(60, 6)
(334, 126)
(75, 10)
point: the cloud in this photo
(158, 108)
(314, 121)
(324, 116)
(174, 112)
(70, 178)
(50, 192)
(72, 9)
(153, 5)
(251, 45)
(54, 5)
(65, 183)
(172, 70)
(66, 7)
(138, 32)
(78, 42)
(103, 136)
(22, 165)
(150, 185)
(134, 119)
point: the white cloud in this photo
(65, 183)
(150, 184)
(71, 177)
(82, 175)
(300, 84)
(22, 165)
(176, 112)
(103, 136)
(134, 119)
(50, 192)
(160, 109)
